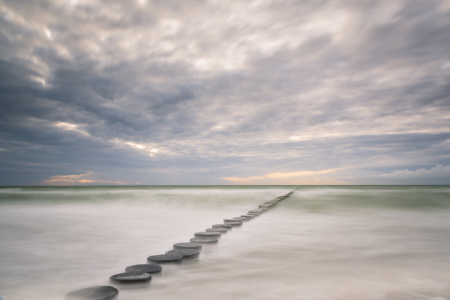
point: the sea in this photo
(321, 243)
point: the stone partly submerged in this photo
(165, 258)
(241, 219)
(187, 246)
(186, 253)
(234, 223)
(94, 293)
(222, 226)
(207, 235)
(258, 211)
(221, 230)
(228, 221)
(204, 241)
(131, 277)
(145, 268)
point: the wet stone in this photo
(206, 235)
(253, 214)
(221, 230)
(145, 268)
(131, 277)
(234, 224)
(241, 219)
(93, 293)
(227, 221)
(165, 258)
(187, 246)
(186, 253)
(248, 216)
(204, 241)
(222, 226)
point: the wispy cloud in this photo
(439, 173)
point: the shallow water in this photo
(377, 242)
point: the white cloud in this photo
(438, 171)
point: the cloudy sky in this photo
(224, 92)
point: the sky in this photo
(193, 92)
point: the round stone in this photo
(93, 293)
(234, 224)
(165, 258)
(241, 219)
(186, 253)
(131, 277)
(248, 216)
(207, 235)
(253, 214)
(222, 226)
(227, 221)
(244, 217)
(146, 268)
(204, 241)
(221, 230)
(187, 246)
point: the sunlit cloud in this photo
(135, 145)
(71, 127)
(48, 33)
(80, 179)
(288, 178)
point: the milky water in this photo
(321, 243)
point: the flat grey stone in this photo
(253, 214)
(241, 219)
(234, 223)
(165, 258)
(256, 211)
(145, 268)
(204, 241)
(206, 235)
(221, 230)
(227, 221)
(93, 293)
(187, 246)
(131, 277)
(222, 226)
(186, 253)
(248, 216)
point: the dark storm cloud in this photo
(195, 91)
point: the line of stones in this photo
(141, 274)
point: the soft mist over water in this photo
(321, 243)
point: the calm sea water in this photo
(326, 242)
